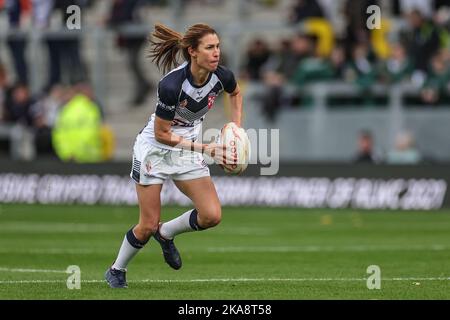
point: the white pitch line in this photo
(44, 281)
(325, 248)
(250, 249)
(234, 280)
(31, 270)
(52, 251)
(58, 227)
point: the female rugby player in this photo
(167, 147)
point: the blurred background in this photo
(343, 85)
(351, 101)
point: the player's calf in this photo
(145, 231)
(208, 218)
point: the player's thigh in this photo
(203, 194)
(149, 198)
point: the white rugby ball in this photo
(238, 143)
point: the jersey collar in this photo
(190, 77)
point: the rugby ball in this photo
(237, 142)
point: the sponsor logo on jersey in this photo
(165, 106)
(181, 123)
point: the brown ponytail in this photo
(166, 43)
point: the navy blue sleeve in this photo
(227, 78)
(167, 102)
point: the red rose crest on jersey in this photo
(183, 103)
(211, 98)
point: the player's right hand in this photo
(220, 153)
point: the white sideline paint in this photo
(45, 227)
(52, 251)
(233, 280)
(436, 247)
(256, 249)
(31, 270)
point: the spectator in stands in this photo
(4, 142)
(356, 31)
(435, 89)
(423, 40)
(338, 62)
(258, 53)
(125, 13)
(303, 9)
(361, 69)
(441, 19)
(397, 67)
(65, 62)
(403, 7)
(312, 68)
(289, 53)
(52, 101)
(21, 108)
(365, 153)
(279, 70)
(405, 151)
(3, 89)
(18, 107)
(77, 132)
(16, 40)
(49, 104)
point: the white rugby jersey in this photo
(185, 103)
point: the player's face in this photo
(207, 54)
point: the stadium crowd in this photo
(416, 53)
(412, 45)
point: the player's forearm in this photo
(236, 108)
(173, 140)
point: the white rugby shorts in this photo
(153, 165)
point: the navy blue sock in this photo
(135, 242)
(193, 221)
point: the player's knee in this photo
(212, 218)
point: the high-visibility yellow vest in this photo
(77, 132)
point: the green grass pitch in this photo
(255, 253)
